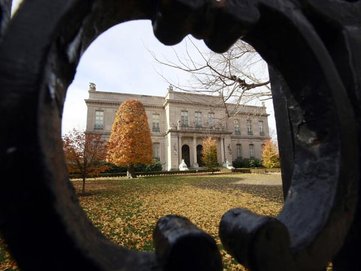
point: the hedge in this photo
(149, 173)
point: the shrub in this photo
(112, 168)
(238, 163)
(154, 166)
(247, 162)
(253, 162)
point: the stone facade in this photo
(179, 122)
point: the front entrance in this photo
(185, 155)
(200, 155)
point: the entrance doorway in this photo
(185, 155)
(199, 155)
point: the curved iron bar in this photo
(42, 220)
(5, 10)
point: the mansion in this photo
(180, 121)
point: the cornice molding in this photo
(112, 103)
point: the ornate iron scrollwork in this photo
(314, 50)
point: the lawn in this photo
(126, 210)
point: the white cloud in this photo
(74, 114)
(119, 60)
(15, 5)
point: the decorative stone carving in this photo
(92, 87)
(183, 166)
(228, 165)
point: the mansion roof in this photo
(172, 97)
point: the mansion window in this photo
(239, 150)
(198, 119)
(210, 119)
(249, 127)
(99, 120)
(155, 123)
(260, 128)
(156, 147)
(184, 118)
(237, 129)
(251, 151)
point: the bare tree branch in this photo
(233, 75)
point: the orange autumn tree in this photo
(209, 153)
(270, 156)
(130, 142)
(85, 154)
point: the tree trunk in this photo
(131, 172)
(83, 186)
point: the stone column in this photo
(168, 157)
(195, 162)
(179, 149)
(222, 150)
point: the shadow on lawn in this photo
(269, 192)
(88, 194)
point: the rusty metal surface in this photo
(314, 45)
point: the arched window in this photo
(199, 155)
(185, 154)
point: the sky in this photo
(121, 60)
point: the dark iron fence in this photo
(313, 48)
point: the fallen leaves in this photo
(127, 210)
